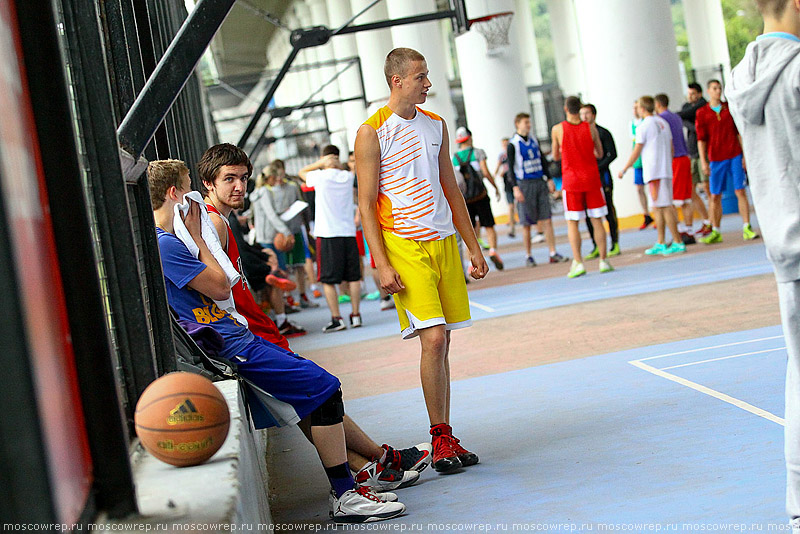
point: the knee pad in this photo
(330, 412)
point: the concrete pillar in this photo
(319, 17)
(493, 86)
(344, 46)
(629, 50)
(523, 22)
(426, 39)
(567, 46)
(373, 46)
(708, 42)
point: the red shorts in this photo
(360, 243)
(681, 180)
(578, 202)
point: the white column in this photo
(523, 22)
(493, 86)
(708, 42)
(427, 40)
(567, 46)
(344, 46)
(319, 17)
(373, 46)
(629, 50)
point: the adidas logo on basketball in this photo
(185, 412)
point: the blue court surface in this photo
(684, 436)
(698, 266)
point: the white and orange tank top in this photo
(411, 203)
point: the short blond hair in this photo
(397, 62)
(648, 103)
(163, 174)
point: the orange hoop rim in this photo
(489, 17)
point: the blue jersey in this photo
(527, 158)
(180, 268)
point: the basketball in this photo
(182, 419)
(283, 242)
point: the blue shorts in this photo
(638, 176)
(286, 376)
(281, 255)
(720, 171)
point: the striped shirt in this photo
(411, 203)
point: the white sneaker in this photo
(362, 505)
(387, 304)
(538, 238)
(380, 478)
(385, 496)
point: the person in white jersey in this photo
(410, 208)
(654, 145)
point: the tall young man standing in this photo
(577, 145)
(688, 114)
(681, 169)
(589, 114)
(533, 188)
(410, 208)
(720, 148)
(764, 96)
(335, 229)
(654, 146)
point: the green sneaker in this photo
(484, 245)
(605, 267)
(576, 270)
(748, 233)
(375, 295)
(614, 251)
(675, 248)
(344, 298)
(658, 248)
(713, 237)
(592, 255)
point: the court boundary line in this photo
(755, 410)
(723, 358)
(709, 348)
(487, 309)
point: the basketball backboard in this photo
(461, 21)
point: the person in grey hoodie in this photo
(764, 99)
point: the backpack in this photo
(474, 190)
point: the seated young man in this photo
(193, 284)
(224, 171)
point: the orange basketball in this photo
(282, 242)
(182, 419)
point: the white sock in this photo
(706, 222)
(280, 318)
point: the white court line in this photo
(710, 392)
(709, 348)
(722, 358)
(482, 307)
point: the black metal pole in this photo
(270, 93)
(396, 22)
(171, 74)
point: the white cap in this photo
(462, 135)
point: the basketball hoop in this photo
(494, 29)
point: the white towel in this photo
(210, 236)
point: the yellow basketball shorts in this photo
(435, 291)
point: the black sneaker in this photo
(335, 325)
(410, 459)
(530, 262)
(289, 329)
(355, 320)
(688, 239)
(498, 263)
(557, 258)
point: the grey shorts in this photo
(537, 202)
(697, 172)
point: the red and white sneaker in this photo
(416, 458)
(445, 456)
(362, 505)
(381, 478)
(467, 458)
(704, 230)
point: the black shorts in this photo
(337, 260)
(481, 210)
(537, 202)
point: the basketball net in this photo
(494, 29)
